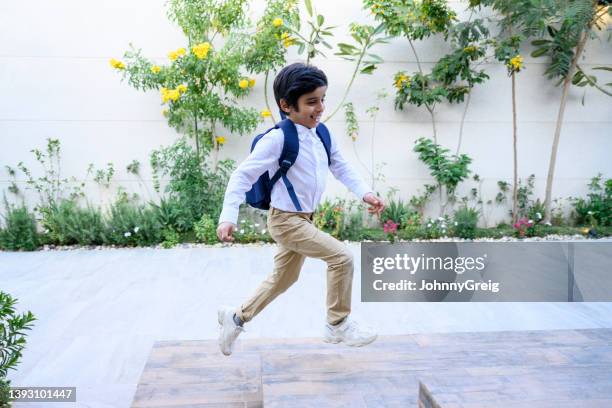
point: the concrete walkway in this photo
(99, 312)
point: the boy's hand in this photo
(225, 231)
(376, 204)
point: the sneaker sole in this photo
(364, 342)
(333, 340)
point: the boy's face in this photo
(310, 108)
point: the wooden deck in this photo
(560, 368)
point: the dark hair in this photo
(296, 80)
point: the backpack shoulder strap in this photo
(291, 145)
(325, 137)
(259, 136)
(291, 148)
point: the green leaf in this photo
(320, 19)
(603, 68)
(577, 77)
(539, 52)
(540, 42)
(368, 69)
(308, 5)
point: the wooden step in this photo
(527, 368)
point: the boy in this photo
(299, 91)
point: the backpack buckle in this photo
(285, 165)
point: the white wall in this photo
(57, 83)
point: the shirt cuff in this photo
(229, 215)
(361, 190)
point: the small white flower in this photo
(136, 229)
(590, 213)
(538, 215)
(263, 231)
(428, 225)
(242, 221)
(530, 221)
(456, 223)
(548, 224)
(441, 218)
(242, 231)
(46, 231)
(127, 234)
(257, 225)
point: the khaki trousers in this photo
(298, 238)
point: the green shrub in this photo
(396, 211)
(193, 184)
(436, 228)
(171, 214)
(12, 341)
(329, 217)
(171, 238)
(249, 231)
(206, 230)
(68, 224)
(465, 221)
(131, 224)
(19, 231)
(596, 208)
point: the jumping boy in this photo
(299, 91)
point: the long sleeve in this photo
(264, 155)
(346, 173)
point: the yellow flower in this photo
(252, 82)
(181, 88)
(287, 42)
(516, 63)
(243, 83)
(201, 50)
(469, 49)
(266, 113)
(277, 22)
(155, 69)
(165, 112)
(402, 80)
(170, 94)
(173, 55)
(220, 140)
(284, 35)
(117, 64)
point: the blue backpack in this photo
(259, 195)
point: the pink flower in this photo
(390, 227)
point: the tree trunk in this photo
(514, 139)
(567, 82)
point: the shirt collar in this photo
(303, 131)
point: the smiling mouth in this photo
(317, 118)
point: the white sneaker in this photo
(228, 329)
(350, 333)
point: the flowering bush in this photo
(524, 227)
(203, 80)
(249, 231)
(436, 228)
(390, 229)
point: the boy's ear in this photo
(285, 106)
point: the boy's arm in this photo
(343, 171)
(266, 152)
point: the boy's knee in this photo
(345, 260)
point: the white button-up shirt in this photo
(308, 174)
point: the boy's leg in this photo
(287, 266)
(296, 232)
